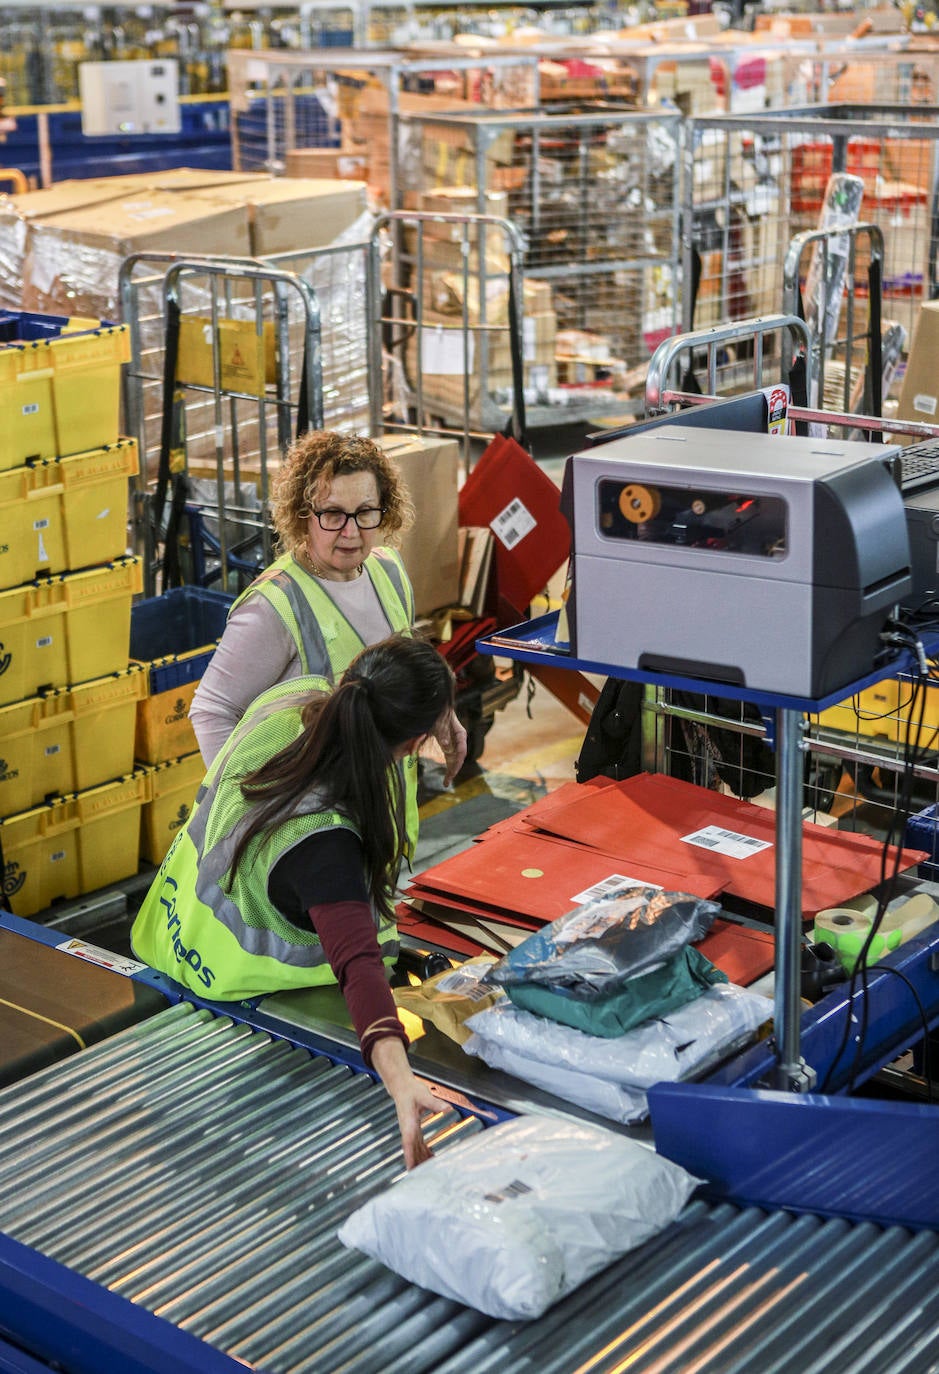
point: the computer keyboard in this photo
(919, 465)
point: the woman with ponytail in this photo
(284, 874)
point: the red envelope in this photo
(509, 492)
(423, 930)
(741, 952)
(649, 819)
(539, 877)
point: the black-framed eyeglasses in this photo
(368, 518)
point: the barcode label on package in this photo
(462, 984)
(512, 524)
(610, 884)
(729, 842)
(517, 1188)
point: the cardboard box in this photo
(919, 394)
(461, 200)
(17, 212)
(73, 258)
(63, 196)
(343, 164)
(444, 294)
(288, 213)
(430, 548)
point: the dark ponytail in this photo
(393, 692)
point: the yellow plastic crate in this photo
(882, 711)
(172, 788)
(65, 513)
(164, 731)
(68, 739)
(28, 429)
(872, 712)
(60, 385)
(72, 845)
(86, 386)
(66, 629)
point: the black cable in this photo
(911, 757)
(895, 831)
(924, 1021)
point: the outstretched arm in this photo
(347, 934)
(412, 1098)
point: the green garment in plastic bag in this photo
(679, 980)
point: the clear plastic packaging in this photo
(626, 1106)
(598, 946)
(663, 1050)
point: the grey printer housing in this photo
(767, 561)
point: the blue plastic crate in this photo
(176, 633)
(922, 832)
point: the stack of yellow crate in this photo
(70, 801)
(172, 636)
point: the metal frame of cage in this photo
(233, 345)
(882, 69)
(233, 439)
(436, 370)
(753, 183)
(865, 737)
(595, 196)
(286, 100)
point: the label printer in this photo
(767, 561)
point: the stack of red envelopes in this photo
(585, 839)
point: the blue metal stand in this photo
(535, 641)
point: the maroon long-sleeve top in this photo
(322, 879)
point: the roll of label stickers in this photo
(846, 928)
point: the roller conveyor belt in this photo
(199, 1168)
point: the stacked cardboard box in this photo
(66, 244)
(344, 164)
(286, 214)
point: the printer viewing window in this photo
(698, 518)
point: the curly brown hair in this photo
(309, 468)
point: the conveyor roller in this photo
(199, 1168)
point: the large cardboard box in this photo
(430, 548)
(17, 212)
(289, 213)
(919, 394)
(73, 258)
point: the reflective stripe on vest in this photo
(325, 641)
(224, 938)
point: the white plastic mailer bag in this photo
(627, 1106)
(665, 1049)
(514, 1218)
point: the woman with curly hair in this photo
(339, 504)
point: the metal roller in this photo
(199, 1169)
